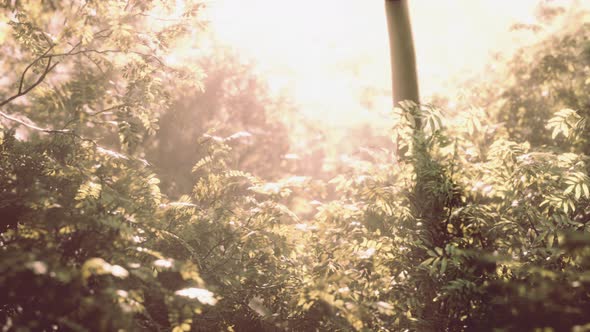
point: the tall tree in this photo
(428, 205)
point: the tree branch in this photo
(22, 92)
(22, 78)
(47, 70)
(106, 52)
(33, 126)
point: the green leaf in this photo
(443, 265)
(439, 251)
(428, 261)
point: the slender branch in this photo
(96, 63)
(106, 52)
(33, 126)
(21, 92)
(112, 108)
(22, 78)
(106, 111)
(84, 52)
(98, 34)
(47, 70)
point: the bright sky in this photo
(332, 56)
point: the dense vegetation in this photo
(476, 222)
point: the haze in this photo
(331, 56)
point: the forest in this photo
(144, 189)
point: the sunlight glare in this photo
(333, 57)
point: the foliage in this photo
(82, 223)
(468, 225)
(78, 227)
(234, 104)
(550, 77)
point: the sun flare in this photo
(332, 56)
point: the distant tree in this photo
(544, 79)
(233, 101)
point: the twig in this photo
(22, 78)
(47, 70)
(21, 92)
(105, 111)
(105, 52)
(95, 63)
(33, 126)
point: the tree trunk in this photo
(403, 58)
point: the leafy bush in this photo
(82, 223)
(550, 77)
